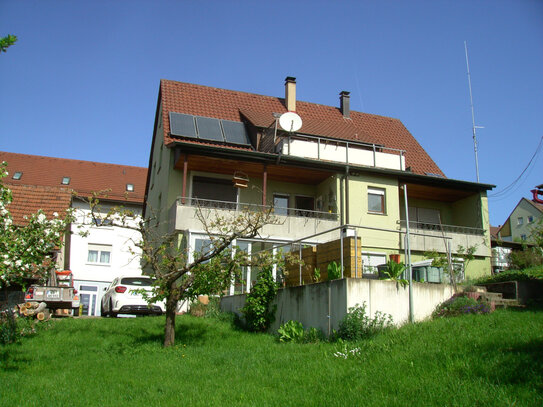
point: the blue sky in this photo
(82, 81)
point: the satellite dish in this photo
(290, 121)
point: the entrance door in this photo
(88, 297)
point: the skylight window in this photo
(65, 180)
(130, 187)
(17, 175)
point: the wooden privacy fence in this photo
(320, 256)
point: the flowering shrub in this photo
(346, 352)
(27, 251)
(460, 305)
(357, 324)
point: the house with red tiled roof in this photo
(56, 184)
(322, 168)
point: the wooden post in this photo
(264, 185)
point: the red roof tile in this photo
(321, 120)
(27, 199)
(85, 176)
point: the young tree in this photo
(27, 251)
(165, 256)
(441, 260)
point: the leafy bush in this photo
(358, 325)
(334, 271)
(13, 328)
(529, 257)
(460, 305)
(8, 327)
(532, 273)
(316, 274)
(291, 331)
(209, 310)
(394, 271)
(313, 335)
(257, 310)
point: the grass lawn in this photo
(473, 360)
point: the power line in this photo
(509, 188)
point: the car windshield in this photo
(141, 281)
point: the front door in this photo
(88, 295)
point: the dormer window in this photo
(65, 180)
(17, 175)
(130, 187)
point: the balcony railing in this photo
(443, 228)
(429, 236)
(348, 152)
(238, 206)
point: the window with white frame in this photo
(376, 201)
(370, 261)
(99, 254)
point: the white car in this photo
(121, 297)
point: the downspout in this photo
(341, 201)
(185, 170)
(347, 195)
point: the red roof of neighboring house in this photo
(494, 231)
(537, 205)
(27, 199)
(320, 120)
(85, 176)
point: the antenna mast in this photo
(472, 115)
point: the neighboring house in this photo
(518, 226)
(55, 184)
(340, 168)
(501, 250)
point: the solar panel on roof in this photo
(235, 133)
(209, 129)
(182, 125)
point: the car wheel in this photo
(103, 311)
(111, 313)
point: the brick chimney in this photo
(290, 93)
(344, 103)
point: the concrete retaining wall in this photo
(312, 304)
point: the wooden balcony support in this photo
(264, 184)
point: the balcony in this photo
(295, 224)
(428, 237)
(346, 152)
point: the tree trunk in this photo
(169, 327)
